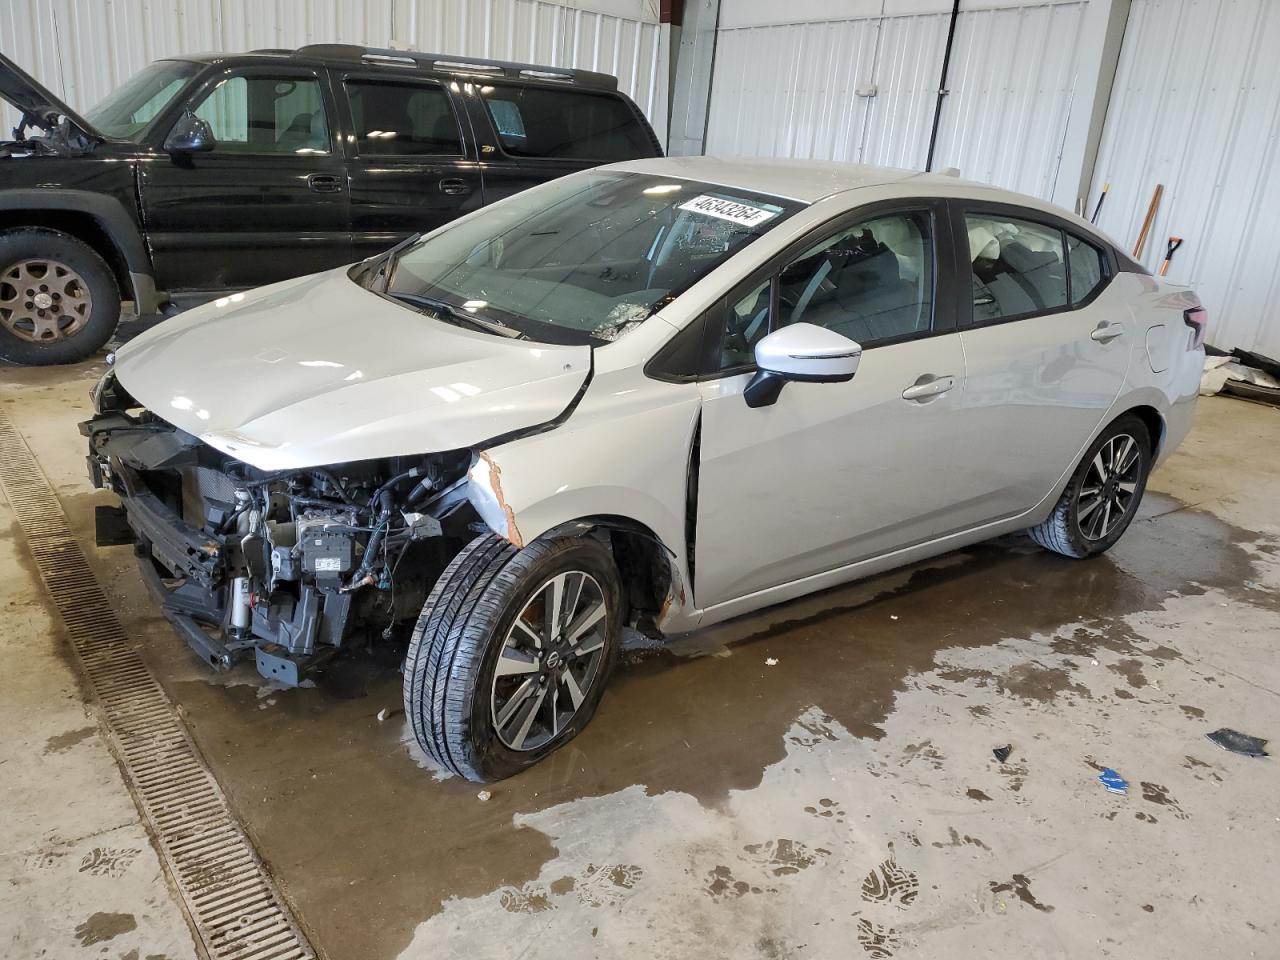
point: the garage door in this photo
(1194, 109)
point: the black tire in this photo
(91, 329)
(1069, 533)
(449, 677)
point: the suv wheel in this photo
(512, 652)
(1103, 495)
(58, 300)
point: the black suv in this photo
(215, 173)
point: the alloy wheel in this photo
(550, 660)
(1110, 486)
(43, 300)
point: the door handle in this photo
(928, 386)
(1105, 332)
(324, 183)
(454, 186)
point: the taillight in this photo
(1197, 318)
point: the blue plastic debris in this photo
(1113, 781)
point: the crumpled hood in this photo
(319, 370)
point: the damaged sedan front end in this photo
(284, 565)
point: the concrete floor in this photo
(841, 802)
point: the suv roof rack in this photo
(452, 63)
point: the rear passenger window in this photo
(565, 124)
(1087, 269)
(402, 119)
(1019, 267)
(872, 282)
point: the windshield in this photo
(582, 259)
(125, 112)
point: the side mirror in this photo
(190, 135)
(801, 352)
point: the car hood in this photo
(38, 103)
(319, 370)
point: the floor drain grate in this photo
(229, 896)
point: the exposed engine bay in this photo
(289, 565)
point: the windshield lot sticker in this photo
(729, 210)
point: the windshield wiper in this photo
(384, 268)
(458, 315)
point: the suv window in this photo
(871, 282)
(565, 124)
(266, 114)
(402, 119)
(1018, 267)
(1088, 268)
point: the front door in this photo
(411, 168)
(832, 473)
(1047, 349)
(268, 202)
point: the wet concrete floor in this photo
(843, 801)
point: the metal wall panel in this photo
(82, 49)
(791, 90)
(1195, 107)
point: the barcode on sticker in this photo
(729, 210)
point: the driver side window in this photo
(871, 282)
(263, 114)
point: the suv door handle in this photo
(454, 186)
(928, 386)
(1107, 331)
(324, 183)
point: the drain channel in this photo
(230, 899)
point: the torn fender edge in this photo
(484, 490)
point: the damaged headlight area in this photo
(288, 565)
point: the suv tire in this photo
(59, 302)
(490, 686)
(1111, 478)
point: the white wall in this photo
(786, 82)
(82, 49)
(1196, 107)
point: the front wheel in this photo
(512, 652)
(1103, 495)
(59, 302)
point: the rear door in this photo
(410, 167)
(269, 201)
(531, 133)
(1047, 343)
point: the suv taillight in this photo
(1197, 318)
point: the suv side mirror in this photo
(190, 135)
(803, 352)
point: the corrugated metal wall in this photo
(1196, 107)
(81, 49)
(790, 90)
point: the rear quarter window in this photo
(566, 124)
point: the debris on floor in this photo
(1002, 753)
(1251, 376)
(1238, 742)
(1113, 781)
(483, 796)
(771, 661)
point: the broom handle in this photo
(1146, 224)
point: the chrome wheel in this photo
(43, 300)
(550, 659)
(1110, 485)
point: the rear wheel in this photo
(512, 652)
(1103, 495)
(58, 299)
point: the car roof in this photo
(803, 180)
(407, 61)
